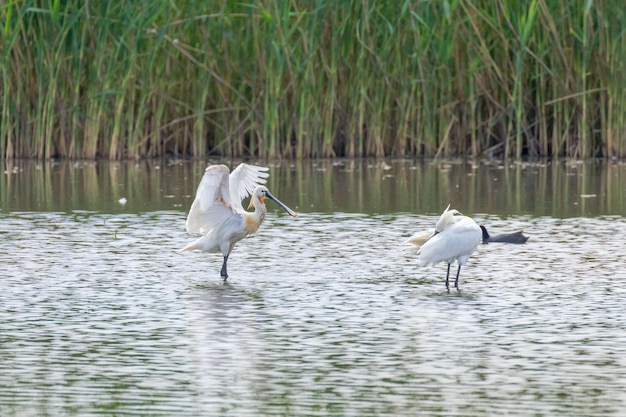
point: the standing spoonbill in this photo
(217, 212)
(456, 242)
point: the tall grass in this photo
(308, 79)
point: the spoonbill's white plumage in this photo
(455, 239)
(217, 213)
(445, 220)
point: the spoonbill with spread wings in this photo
(217, 212)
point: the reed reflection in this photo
(557, 189)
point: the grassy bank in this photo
(306, 79)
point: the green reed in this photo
(311, 79)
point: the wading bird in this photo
(217, 212)
(456, 237)
(516, 237)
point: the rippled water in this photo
(324, 314)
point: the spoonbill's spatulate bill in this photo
(456, 238)
(217, 212)
(515, 237)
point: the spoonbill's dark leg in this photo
(456, 281)
(224, 273)
(447, 279)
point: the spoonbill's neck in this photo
(256, 217)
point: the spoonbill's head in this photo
(259, 195)
(447, 219)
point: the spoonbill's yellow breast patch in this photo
(252, 225)
(253, 198)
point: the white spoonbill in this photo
(217, 211)
(456, 238)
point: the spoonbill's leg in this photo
(456, 281)
(224, 274)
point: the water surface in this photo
(323, 314)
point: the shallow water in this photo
(323, 314)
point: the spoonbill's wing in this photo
(243, 180)
(213, 189)
(457, 242)
(218, 217)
